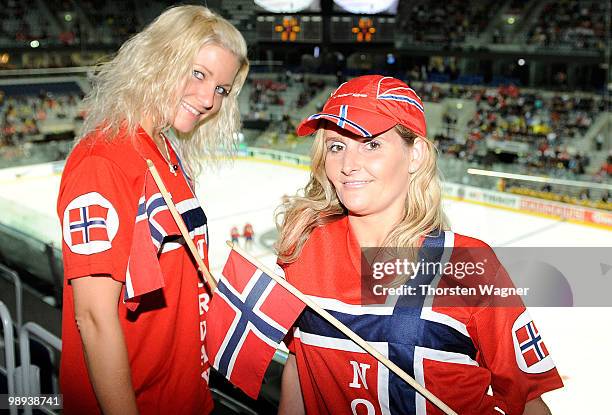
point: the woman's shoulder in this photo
(105, 144)
(117, 151)
(469, 249)
(465, 241)
(327, 237)
(334, 229)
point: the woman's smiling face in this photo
(213, 73)
(370, 175)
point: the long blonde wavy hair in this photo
(147, 71)
(300, 215)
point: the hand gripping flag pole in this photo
(347, 332)
(181, 225)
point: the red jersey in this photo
(97, 206)
(456, 352)
(248, 231)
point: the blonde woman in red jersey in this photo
(374, 183)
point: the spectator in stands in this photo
(584, 194)
(606, 167)
(599, 141)
(374, 183)
(444, 23)
(170, 91)
(572, 24)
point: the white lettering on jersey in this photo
(203, 354)
(206, 375)
(359, 372)
(367, 404)
(202, 330)
(201, 248)
(203, 299)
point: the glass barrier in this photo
(30, 243)
(29, 153)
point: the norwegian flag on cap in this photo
(369, 105)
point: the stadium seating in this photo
(572, 23)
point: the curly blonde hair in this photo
(142, 79)
(300, 215)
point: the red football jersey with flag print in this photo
(457, 352)
(102, 190)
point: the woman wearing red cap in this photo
(374, 183)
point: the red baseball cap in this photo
(369, 105)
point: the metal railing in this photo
(30, 382)
(14, 278)
(9, 351)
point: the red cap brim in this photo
(359, 121)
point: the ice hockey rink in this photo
(247, 190)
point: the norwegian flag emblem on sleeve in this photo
(88, 224)
(248, 317)
(531, 344)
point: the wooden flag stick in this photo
(347, 332)
(181, 225)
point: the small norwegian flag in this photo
(531, 344)
(154, 224)
(88, 224)
(249, 315)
